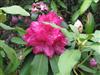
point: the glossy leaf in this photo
(12, 10)
(96, 36)
(39, 65)
(26, 69)
(18, 40)
(95, 47)
(20, 31)
(96, 1)
(75, 16)
(68, 60)
(89, 27)
(97, 57)
(6, 27)
(87, 69)
(85, 5)
(53, 64)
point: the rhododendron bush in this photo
(49, 37)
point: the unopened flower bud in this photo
(14, 20)
(78, 24)
(93, 62)
(27, 20)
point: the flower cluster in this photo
(44, 38)
(39, 6)
(51, 17)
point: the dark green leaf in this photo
(53, 5)
(62, 4)
(27, 51)
(26, 69)
(11, 54)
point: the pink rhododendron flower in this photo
(45, 39)
(51, 17)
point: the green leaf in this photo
(1, 62)
(53, 6)
(2, 17)
(97, 72)
(26, 51)
(74, 29)
(21, 31)
(11, 54)
(18, 40)
(87, 69)
(97, 57)
(96, 1)
(85, 5)
(75, 16)
(62, 4)
(95, 47)
(94, 7)
(1, 72)
(68, 60)
(6, 27)
(15, 10)
(26, 66)
(89, 27)
(39, 65)
(96, 37)
(54, 66)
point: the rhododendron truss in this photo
(44, 38)
(51, 17)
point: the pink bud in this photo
(27, 20)
(14, 20)
(93, 62)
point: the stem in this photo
(86, 58)
(75, 71)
